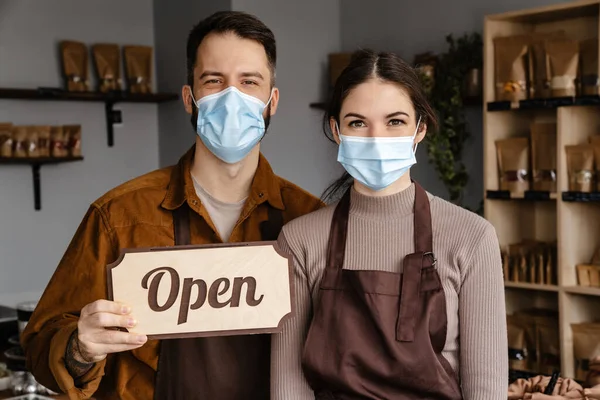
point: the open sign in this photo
(206, 290)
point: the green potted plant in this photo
(445, 147)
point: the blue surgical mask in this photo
(230, 123)
(377, 162)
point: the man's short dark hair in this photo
(243, 25)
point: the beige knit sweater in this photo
(380, 235)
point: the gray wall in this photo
(412, 27)
(32, 243)
(306, 31)
(173, 20)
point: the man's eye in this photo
(212, 81)
(249, 83)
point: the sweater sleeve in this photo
(287, 380)
(482, 313)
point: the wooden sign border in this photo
(237, 332)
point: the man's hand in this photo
(96, 337)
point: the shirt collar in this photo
(265, 185)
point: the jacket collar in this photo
(265, 185)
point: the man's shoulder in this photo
(149, 188)
(296, 200)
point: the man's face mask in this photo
(230, 123)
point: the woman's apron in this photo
(380, 335)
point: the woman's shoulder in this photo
(453, 218)
(310, 226)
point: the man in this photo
(222, 190)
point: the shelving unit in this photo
(109, 100)
(572, 221)
(36, 164)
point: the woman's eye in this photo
(356, 124)
(396, 122)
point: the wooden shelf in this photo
(583, 290)
(567, 220)
(529, 195)
(531, 286)
(581, 197)
(544, 104)
(109, 100)
(36, 163)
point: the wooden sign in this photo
(208, 290)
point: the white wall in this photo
(173, 21)
(32, 243)
(412, 27)
(306, 32)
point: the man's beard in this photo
(194, 119)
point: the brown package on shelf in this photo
(138, 63)
(589, 66)
(595, 143)
(513, 164)
(6, 140)
(588, 275)
(533, 389)
(518, 347)
(580, 167)
(337, 63)
(108, 66)
(562, 65)
(44, 140)
(75, 65)
(57, 142)
(543, 156)
(586, 346)
(540, 79)
(593, 377)
(72, 136)
(542, 332)
(33, 139)
(510, 57)
(19, 141)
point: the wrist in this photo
(75, 362)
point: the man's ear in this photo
(334, 130)
(186, 96)
(274, 101)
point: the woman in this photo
(399, 294)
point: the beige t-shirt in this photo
(224, 215)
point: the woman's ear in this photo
(421, 133)
(334, 129)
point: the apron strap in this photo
(422, 218)
(336, 247)
(181, 225)
(413, 265)
(270, 229)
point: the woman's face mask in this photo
(377, 162)
(377, 133)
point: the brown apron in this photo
(380, 335)
(215, 368)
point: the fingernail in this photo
(131, 322)
(141, 338)
(125, 310)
